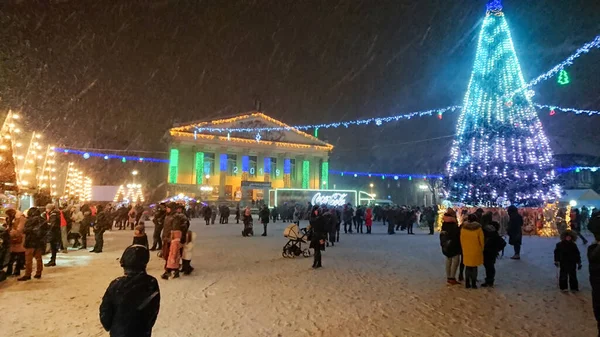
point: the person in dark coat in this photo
(237, 214)
(334, 226)
(319, 232)
(131, 303)
(347, 215)
(52, 217)
(450, 242)
(102, 224)
(568, 259)
(207, 214)
(576, 224)
(515, 231)
(389, 215)
(159, 221)
(593, 254)
(35, 243)
(264, 216)
(274, 213)
(490, 248)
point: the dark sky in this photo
(116, 74)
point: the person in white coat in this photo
(188, 249)
(76, 218)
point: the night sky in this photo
(117, 74)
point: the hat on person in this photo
(135, 257)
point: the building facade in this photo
(212, 164)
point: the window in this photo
(232, 168)
(209, 164)
(293, 169)
(275, 172)
(252, 170)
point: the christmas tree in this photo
(500, 153)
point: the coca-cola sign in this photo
(334, 199)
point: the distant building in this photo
(574, 179)
(213, 165)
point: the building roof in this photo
(580, 195)
(288, 136)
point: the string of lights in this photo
(378, 121)
(383, 176)
(395, 176)
(107, 156)
(554, 108)
(561, 66)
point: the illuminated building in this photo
(244, 165)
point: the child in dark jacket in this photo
(139, 235)
(131, 302)
(567, 257)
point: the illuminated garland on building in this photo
(383, 176)
(501, 150)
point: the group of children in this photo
(178, 252)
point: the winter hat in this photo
(570, 233)
(135, 257)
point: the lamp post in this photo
(134, 173)
(371, 186)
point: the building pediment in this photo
(283, 133)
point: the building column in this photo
(324, 181)
(306, 174)
(173, 166)
(222, 175)
(287, 170)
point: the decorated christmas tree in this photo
(500, 153)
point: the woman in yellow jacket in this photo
(471, 240)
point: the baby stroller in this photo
(296, 237)
(248, 228)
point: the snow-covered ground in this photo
(371, 285)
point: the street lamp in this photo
(371, 186)
(134, 173)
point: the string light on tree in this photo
(500, 149)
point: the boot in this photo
(165, 276)
(176, 274)
(38, 276)
(516, 257)
(52, 263)
(24, 278)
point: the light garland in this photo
(286, 166)
(327, 147)
(561, 66)
(394, 176)
(130, 193)
(501, 151)
(554, 108)
(378, 121)
(203, 126)
(106, 156)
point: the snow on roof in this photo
(583, 195)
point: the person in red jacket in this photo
(369, 219)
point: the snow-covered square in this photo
(371, 285)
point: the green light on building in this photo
(173, 166)
(199, 167)
(305, 174)
(325, 175)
